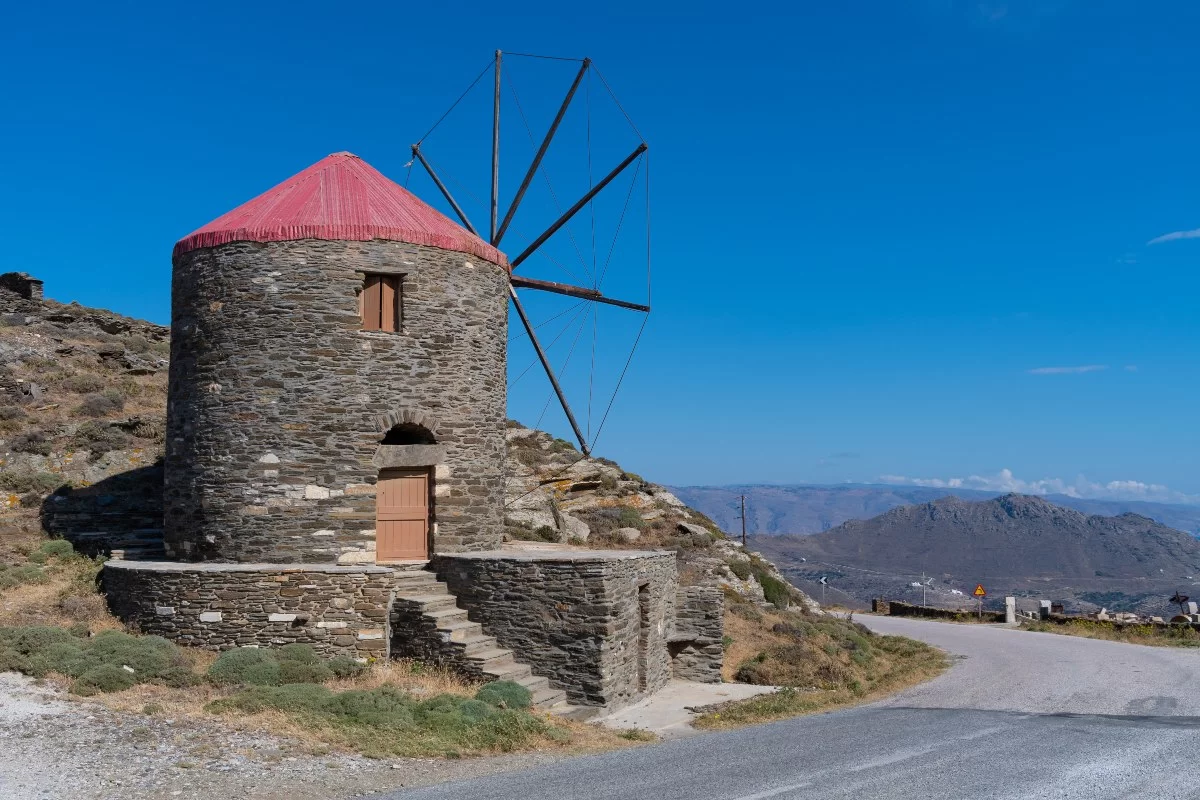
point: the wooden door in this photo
(402, 515)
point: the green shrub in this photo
(629, 517)
(22, 481)
(740, 568)
(304, 672)
(148, 656)
(19, 576)
(245, 665)
(293, 697)
(505, 694)
(65, 658)
(99, 438)
(775, 591)
(57, 548)
(345, 667)
(28, 641)
(299, 653)
(103, 678)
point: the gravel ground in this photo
(58, 748)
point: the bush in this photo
(245, 665)
(57, 548)
(304, 672)
(99, 438)
(19, 576)
(775, 591)
(22, 481)
(101, 404)
(630, 518)
(298, 653)
(36, 442)
(345, 667)
(741, 569)
(104, 678)
(505, 694)
(83, 383)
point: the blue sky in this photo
(888, 237)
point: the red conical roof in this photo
(341, 197)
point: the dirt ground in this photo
(55, 747)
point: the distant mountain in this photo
(813, 509)
(1015, 544)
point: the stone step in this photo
(460, 631)
(445, 615)
(431, 602)
(407, 580)
(565, 710)
(478, 644)
(549, 699)
(492, 658)
(514, 671)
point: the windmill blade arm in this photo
(541, 354)
(416, 150)
(583, 201)
(541, 153)
(574, 291)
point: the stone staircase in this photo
(427, 624)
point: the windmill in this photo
(499, 225)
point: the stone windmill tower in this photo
(332, 333)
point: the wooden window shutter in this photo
(381, 303)
(372, 292)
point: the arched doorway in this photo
(404, 493)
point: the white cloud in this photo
(1068, 370)
(1175, 236)
(1005, 481)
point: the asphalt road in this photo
(1020, 716)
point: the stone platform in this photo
(607, 627)
(336, 609)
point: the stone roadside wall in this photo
(338, 610)
(278, 400)
(896, 608)
(596, 623)
(696, 646)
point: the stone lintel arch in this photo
(407, 416)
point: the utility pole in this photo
(743, 520)
(922, 587)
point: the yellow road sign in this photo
(979, 590)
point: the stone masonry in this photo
(278, 401)
(596, 623)
(338, 610)
(696, 645)
(21, 284)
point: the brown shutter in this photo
(387, 303)
(370, 302)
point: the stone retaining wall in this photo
(338, 610)
(596, 623)
(896, 608)
(696, 647)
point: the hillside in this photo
(1013, 543)
(774, 510)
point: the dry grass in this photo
(1152, 635)
(319, 737)
(825, 662)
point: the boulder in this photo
(574, 528)
(698, 531)
(628, 535)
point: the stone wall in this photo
(279, 401)
(338, 610)
(596, 623)
(21, 284)
(696, 646)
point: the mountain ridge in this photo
(775, 509)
